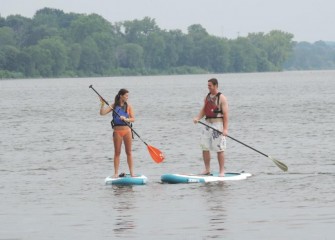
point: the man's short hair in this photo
(214, 81)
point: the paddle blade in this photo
(279, 164)
(156, 154)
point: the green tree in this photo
(186, 57)
(24, 64)
(154, 50)
(137, 31)
(130, 55)
(197, 32)
(58, 54)
(318, 55)
(173, 47)
(74, 53)
(10, 54)
(243, 56)
(259, 41)
(40, 32)
(89, 57)
(2, 60)
(85, 26)
(2, 21)
(193, 46)
(41, 61)
(53, 18)
(21, 27)
(212, 54)
(7, 36)
(278, 46)
(106, 44)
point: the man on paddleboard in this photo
(215, 111)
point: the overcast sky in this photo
(308, 20)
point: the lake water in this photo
(56, 151)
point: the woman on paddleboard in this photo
(123, 116)
(215, 111)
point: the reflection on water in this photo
(216, 195)
(123, 207)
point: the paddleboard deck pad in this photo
(198, 178)
(126, 179)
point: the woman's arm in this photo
(131, 114)
(105, 110)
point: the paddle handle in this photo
(99, 95)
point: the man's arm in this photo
(224, 107)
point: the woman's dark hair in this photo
(122, 92)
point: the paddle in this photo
(155, 153)
(279, 164)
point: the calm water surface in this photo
(56, 151)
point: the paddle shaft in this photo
(235, 139)
(118, 115)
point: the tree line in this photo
(57, 44)
(312, 56)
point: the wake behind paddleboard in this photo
(194, 178)
(126, 179)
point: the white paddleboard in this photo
(198, 178)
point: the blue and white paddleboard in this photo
(198, 178)
(127, 180)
